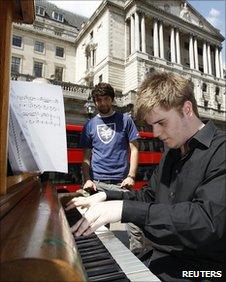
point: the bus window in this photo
(73, 139)
(144, 172)
(73, 176)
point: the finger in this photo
(94, 187)
(88, 232)
(76, 203)
(82, 228)
(122, 184)
(75, 227)
(97, 223)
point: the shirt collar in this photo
(105, 116)
(204, 136)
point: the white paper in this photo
(39, 110)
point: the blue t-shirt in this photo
(109, 138)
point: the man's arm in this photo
(130, 179)
(193, 224)
(88, 183)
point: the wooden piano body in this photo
(37, 245)
(36, 242)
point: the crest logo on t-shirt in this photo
(106, 132)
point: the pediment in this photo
(186, 12)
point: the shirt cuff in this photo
(113, 195)
(135, 212)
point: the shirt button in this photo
(176, 171)
(172, 194)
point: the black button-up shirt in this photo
(183, 212)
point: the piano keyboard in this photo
(106, 258)
(133, 268)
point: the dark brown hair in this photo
(103, 89)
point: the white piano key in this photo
(134, 269)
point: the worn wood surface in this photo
(36, 242)
(11, 11)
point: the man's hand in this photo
(90, 185)
(128, 182)
(98, 215)
(85, 202)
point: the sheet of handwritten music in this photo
(37, 134)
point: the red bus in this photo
(150, 152)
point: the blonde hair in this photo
(167, 90)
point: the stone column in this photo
(143, 35)
(155, 38)
(191, 52)
(217, 66)
(126, 38)
(221, 64)
(196, 54)
(204, 55)
(178, 46)
(161, 40)
(132, 34)
(209, 59)
(172, 45)
(91, 57)
(137, 32)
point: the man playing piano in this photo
(183, 212)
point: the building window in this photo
(59, 52)
(217, 91)
(38, 68)
(58, 17)
(40, 11)
(91, 35)
(88, 59)
(100, 78)
(15, 65)
(186, 45)
(204, 87)
(39, 46)
(17, 41)
(219, 107)
(94, 57)
(58, 73)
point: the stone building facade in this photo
(46, 48)
(120, 44)
(124, 40)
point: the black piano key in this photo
(93, 252)
(98, 262)
(109, 277)
(89, 265)
(103, 269)
(96, 257)
(89, 245)
(82, 238)
(100, 247)
(72, 216)
(93, 240)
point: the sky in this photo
(213, 11)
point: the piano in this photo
(37, 244)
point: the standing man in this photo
(183, 212)
(107, 140)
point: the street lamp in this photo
(90, 107)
